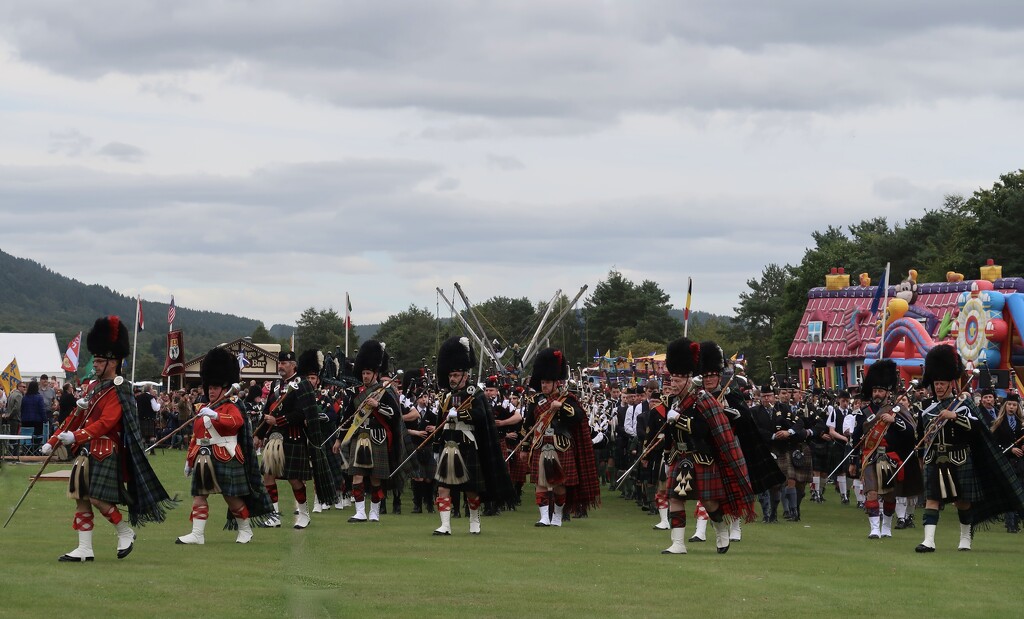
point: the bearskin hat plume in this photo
(371, 356)
(310, 362)
(550, 364)
(108, 338)
(882, 375)
(941, 363)
(455, 354)
(219, 367)
(682, 357)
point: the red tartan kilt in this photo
(705, 486)
(517, 467)
(568, 460)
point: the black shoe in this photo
(901, 523)
(846, 499)
(860, 504)
(70, 559)
(923, 548)
(416, 509)
(456, 514)
(441, 533)
(694, 539)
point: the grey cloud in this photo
(122, 152)
(548, 60)
(447, 184)
(504, 162)
(70, 142)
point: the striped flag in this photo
(689, 295)
(348, 312)
(70, 363)
(138, 312)
(170, 311)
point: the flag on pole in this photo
(170, 311)
(175, 361)
(689, 295)
(882, 290)
(348, 312)
(70, 363)
(138, 312)
(293, 341)
(11, 376)
(86, 371)
(242, 361)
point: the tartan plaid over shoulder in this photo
(732, 465)
(147, 499)
(587, 493)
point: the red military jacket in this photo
(99, 425)
(227, 425)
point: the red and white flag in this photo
(170, 312)
(138, 312)
(348, 312)
(71, 356)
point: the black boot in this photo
(417, 497)
(396, 505)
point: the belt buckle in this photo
(941, 447)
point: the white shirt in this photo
(629, 425)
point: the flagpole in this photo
(135, 342)
(348, 320)
(885, 313)
(686, 311)
(170, 327)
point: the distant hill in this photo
(36, 299)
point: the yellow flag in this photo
(629, 357)
(11, 376)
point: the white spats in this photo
(678, 547)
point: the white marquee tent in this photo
(37, 354)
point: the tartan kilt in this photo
(518, 467)
(105, 480)
(147, 427)
(378, 453)
(802, 473)
(836, 451)
(423, 464)
(471, 457)
(704, 480)
(231, 478)
(296, 460)
(334, 463)
(566, 458)
(967, 486)
(819, 456)
(913, 479)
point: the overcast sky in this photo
(259, 157)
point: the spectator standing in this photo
(49, 393)
(67, 403)
(12, 414)
(34, 412)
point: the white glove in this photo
(453, 414)
(66, 437)
(672, 416)
(47, 449)
(597, 438)
(206, 411)
(83, 403)
(188, 470)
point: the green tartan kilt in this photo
(379, 454)
(230, 477)
(296, 460)
(964, 479)
(105, 480)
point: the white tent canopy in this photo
(37, 354)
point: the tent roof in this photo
(37, 354)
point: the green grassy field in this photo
(606, 565)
